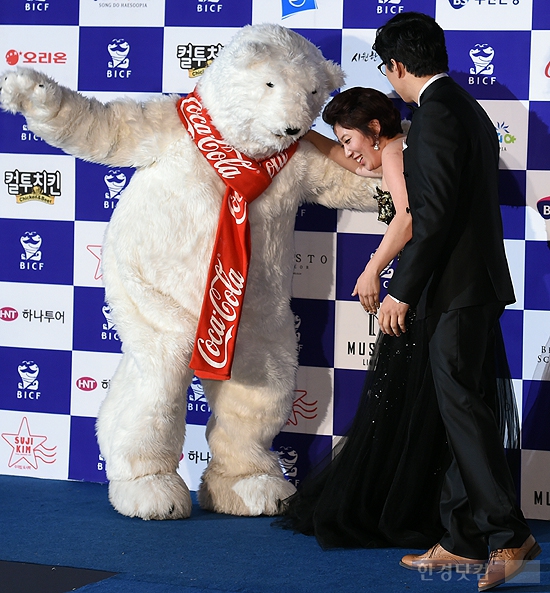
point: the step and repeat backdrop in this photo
(58, 345)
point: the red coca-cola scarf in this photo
(245, 180)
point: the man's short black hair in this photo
(415, 40)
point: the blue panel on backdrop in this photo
(490, 64)
(37, 251)
(313, 217)
(537, 275)
(85, 461)
(314, 323)
(35, 380)
(511, 323)
(348, 385)
(123, 59)
(98, 190)
(299, 453)
(371, 14)
(538, 155)
(94, 329)
(536, 411)
(16, 137)
(541, 14)
(38, 12)
(353, 251)
(329, 41)
(208, 13)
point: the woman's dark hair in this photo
(355, 108)
(415, 40)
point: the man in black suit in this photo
(454, 272)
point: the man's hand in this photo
(391, 317)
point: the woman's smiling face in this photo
(358, 147)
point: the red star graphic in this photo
(24, 445)
(95, 250)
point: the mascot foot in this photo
(163, 496)
(249, 496)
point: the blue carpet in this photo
(72, 524)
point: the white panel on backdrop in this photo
(484, 15)
(105, 96)
(34, 445)
(91, 375)
(360, 62)
(535, 484)
(187, 51)
(55, 54)
(88, 239)
(39, 316)
(355, 335)
(537, 227)
(510, 119)
(314, 265)
(360, 222)
(539, 89)
(536, 345)
(515, 252)
(195, 457)
(116, 14)
(299, 14)
(53, 175)
(517, 384)
(313, 405)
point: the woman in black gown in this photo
(382, 487)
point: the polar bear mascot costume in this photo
(209, 212)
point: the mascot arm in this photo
(333, 186)
(122, 133)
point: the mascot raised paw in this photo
(198, 260)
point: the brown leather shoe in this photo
(438, 557)
(505, 563)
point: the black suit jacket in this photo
(456, 255)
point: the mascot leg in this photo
(244, 477)
(141, 427)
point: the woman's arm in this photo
(334, 151)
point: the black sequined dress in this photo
(382, 487)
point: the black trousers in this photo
(478, 502)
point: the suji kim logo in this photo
(302, 408)
(28, 448)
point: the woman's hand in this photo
(368, 289)
(364, 172)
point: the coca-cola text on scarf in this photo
(245, 180)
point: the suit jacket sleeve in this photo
(437, 147)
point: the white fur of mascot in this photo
(263, 92)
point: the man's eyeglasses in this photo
(382, 68)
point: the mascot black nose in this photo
(292, 131)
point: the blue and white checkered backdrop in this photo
(58, 344)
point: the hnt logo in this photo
(31, 258)
(482, 56)
(291, 7)
(39, 186)
(28, 448)
(119, 64)
(8, 314)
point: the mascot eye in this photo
(270, 84)
(314, 92)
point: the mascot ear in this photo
(335, 75)
(250, 53)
